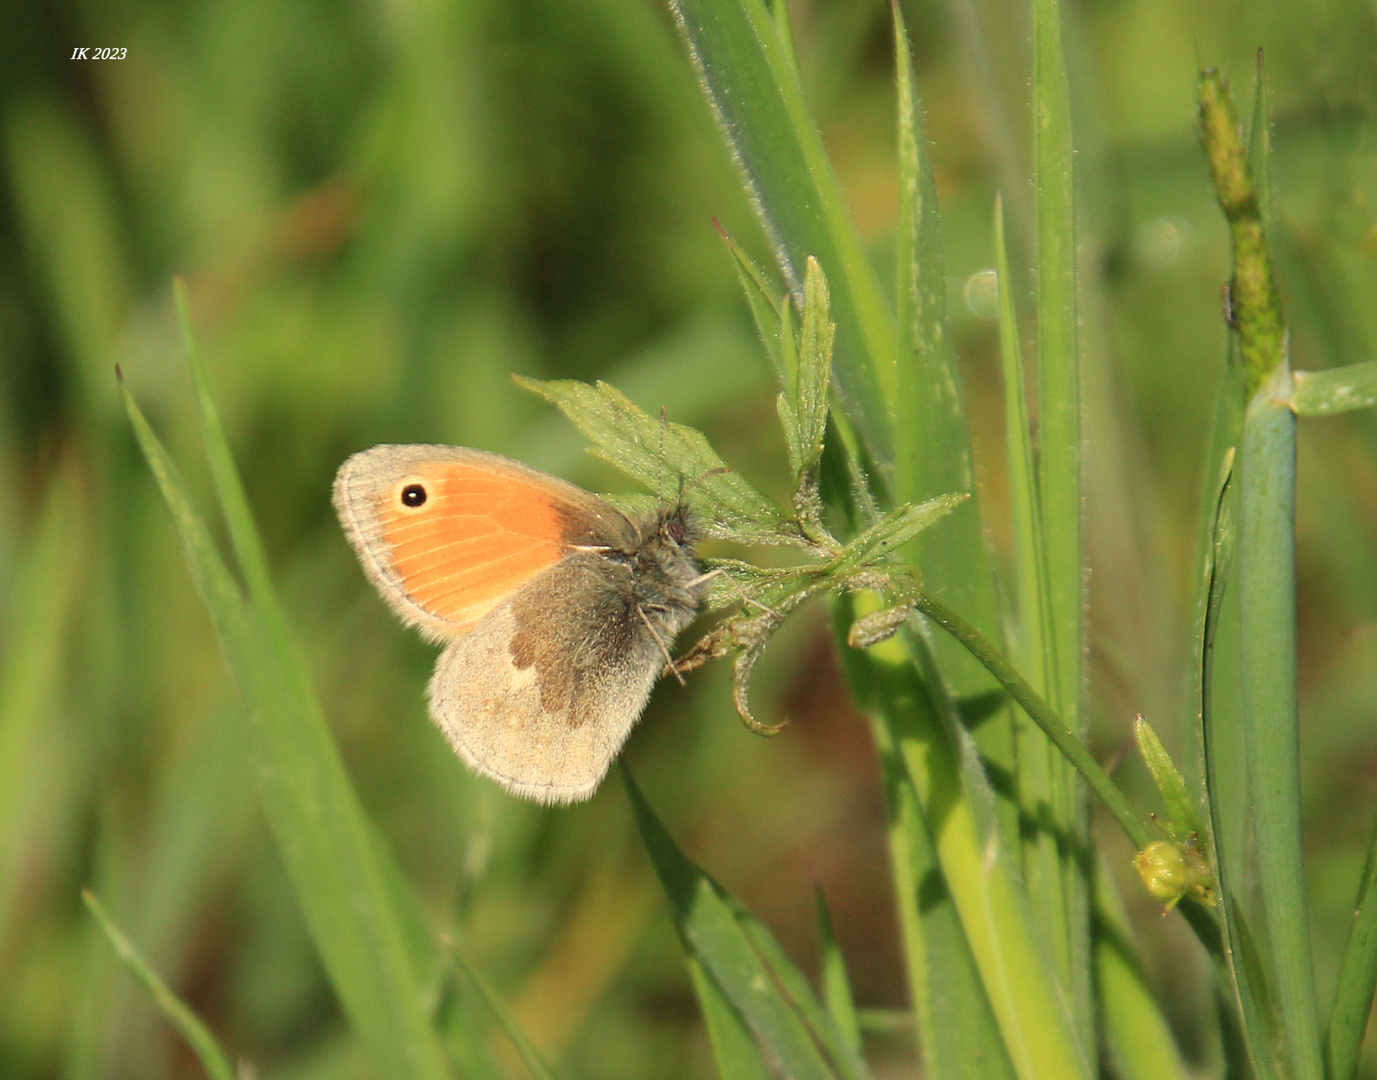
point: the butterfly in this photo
(557, 610)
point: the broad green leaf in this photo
(1336, 390)
(894, 530)
(658, 453)
(711, 934)
(814, 365)
(751, 83)
(188, 1024)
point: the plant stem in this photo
(1041, 713)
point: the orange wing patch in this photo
(477, 537)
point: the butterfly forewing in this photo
(448, 533)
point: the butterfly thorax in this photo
(662, 576)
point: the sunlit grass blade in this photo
(950, 1006)
(950, 793)
(836, 987)
(1060, 470)
(321, 831)
(506, 1019)
(749, 77)
(712, 934)
(188, 1024)
(1357, 983)
(1335, 390)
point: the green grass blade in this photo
(40, 602)
(1267, 612)
(1033, 647)
(711, 933)
(836, 987)
(1357, 979)
(1251, 995)
(1024, 998)
(1059, 444)
(843, 1054)
(1324, 393)
(932, 438)
(506, 1019)
(950, 1005)
(1135, 1031)
(733, 1048)
(187, 1023)
(751, 83)
(320, 828)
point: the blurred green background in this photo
(383, 210)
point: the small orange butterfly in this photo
(557, 610)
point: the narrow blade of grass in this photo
(932, 439)
(751, 83)
(1324, 393)
(844, 1055)
(1357, 979)
(1033, 648)
(315, 816)
(188, 1024)
(1247, 982)
(734, 1050)
(1059, 431)
(711, 934)
(836, 987)
(1142, 1045)
(506, 1019)
(41, 598)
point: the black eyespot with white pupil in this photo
(414, 495)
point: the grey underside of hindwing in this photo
(543, 691)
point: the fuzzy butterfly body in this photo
(557, 610)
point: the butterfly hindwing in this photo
(542, 693)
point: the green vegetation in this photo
(987, 469)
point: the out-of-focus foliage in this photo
(382, 211)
